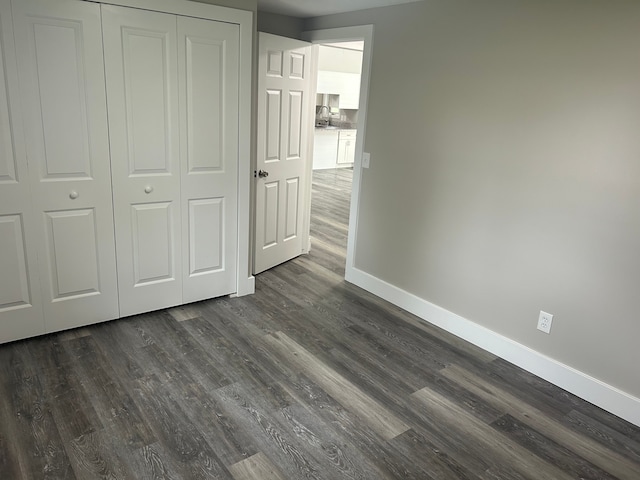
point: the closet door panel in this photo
(153, 253)
(21, 312)
(147, 104)
(14, 288)
(208, 66)
(8, 158)
(59, 51)
(71, 241)
(142, 86)
(59, 86)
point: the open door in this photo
(283, 165)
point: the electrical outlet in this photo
(544, 322)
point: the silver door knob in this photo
(73, 194)
(262, 174)
(148, 189)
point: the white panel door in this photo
(140, 49)
(20, 306)
(284, 117)
(208, 65)
(59, 51)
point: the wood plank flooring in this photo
(310, 378)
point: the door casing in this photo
(346, 34)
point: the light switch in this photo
(366, 159)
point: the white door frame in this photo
(344, 34)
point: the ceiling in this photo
(316, 8)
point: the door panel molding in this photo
(71, 241)
(152, 235)
(205, 92)
(206, 236)
(15, 291)
(296, 125)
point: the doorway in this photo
(362, 34)
(283, 199)
(339, 70)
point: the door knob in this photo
(73, 195)
(262, 174)
(148, 189)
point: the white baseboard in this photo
(584, 386)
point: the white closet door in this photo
(20, 306)
(140, 50)
(208, 66)
(59, 51)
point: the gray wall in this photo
(282, 25)
(505, 169)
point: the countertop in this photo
(334, 127)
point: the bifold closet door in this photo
(172, 86)
(140, 49)
(61, 71)
(20, 305)
(208, 54)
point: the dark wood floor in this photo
(309, 378)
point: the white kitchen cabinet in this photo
(339, 72)
(336, 58)
(333, 148)
(325, 148)
(346, 147)
(347, 85)
(166, 169)
(328, 82)
(350, 94)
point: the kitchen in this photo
(337, 98)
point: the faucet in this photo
(322, 119)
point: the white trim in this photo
(245, 287)
(186, 8)
(362, 32)
(584, 386)
(246, 284)
(308, 180)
